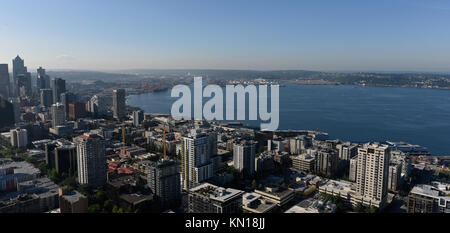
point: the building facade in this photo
(119, 106)
(372, 173)
(303, 163)
(208, 198)
(58, 114)
(19, 138)
(197, 149)
(244, 156)
(46, 97)
(164, 181)
(326, 162)
(59, 87)
(4, 81)
(91, 159)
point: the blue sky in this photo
(395, 35)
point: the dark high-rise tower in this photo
(18, 69)
(4, 81)
(46, 97)
(119, 103)
(59, 87)
(164, 181)
(24, 84)
(6, 113)
(66, 98)
(43, 80)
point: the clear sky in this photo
(384, 35)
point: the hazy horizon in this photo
(329, 36)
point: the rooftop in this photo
(135, 198)
(425, 190)
(73, 196)
(215, 192)
(313, 206)
(257, 203)
(338, 186)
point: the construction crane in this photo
(124, 148)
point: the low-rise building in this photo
(428, 199)
(343, 189)
(303, 163)
(208, 198)
(256, 203)
(280, 196)
(72, 202)
(311, 206)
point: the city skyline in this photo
(262, 35)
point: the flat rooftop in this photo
(215, 192)
(338, 186)
(257, 203)
(135, 198)
(19, 167)
(313, 206)
(425, 190)
(73, 196)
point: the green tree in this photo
(43, 168)
(95, 208)
(254, 185)
(108, 206)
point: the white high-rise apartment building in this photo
(244, 156)
(372, 173)
(353, 169)
(347, 151)
(196, 152)
(19, 138)
(91, 159)
(58, 114)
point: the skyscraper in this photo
(347, 151)
(77, 110)
(119, 103)
(59, 87)
(327, 162)
(24, 84)
(97, 105)
(164, 180)
(16, 107)
(43, 80)
(66, 99)
(394, 176)
(58, 114)
(372, 173)
(61, 155)
(196, 153)
(6, 113)
(244, 156)
(91, 159)
(138, 117)
(353, 169)
(18, 69)
(19, 138)
(4, 81)
(46, 97)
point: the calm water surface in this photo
(353, 113)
